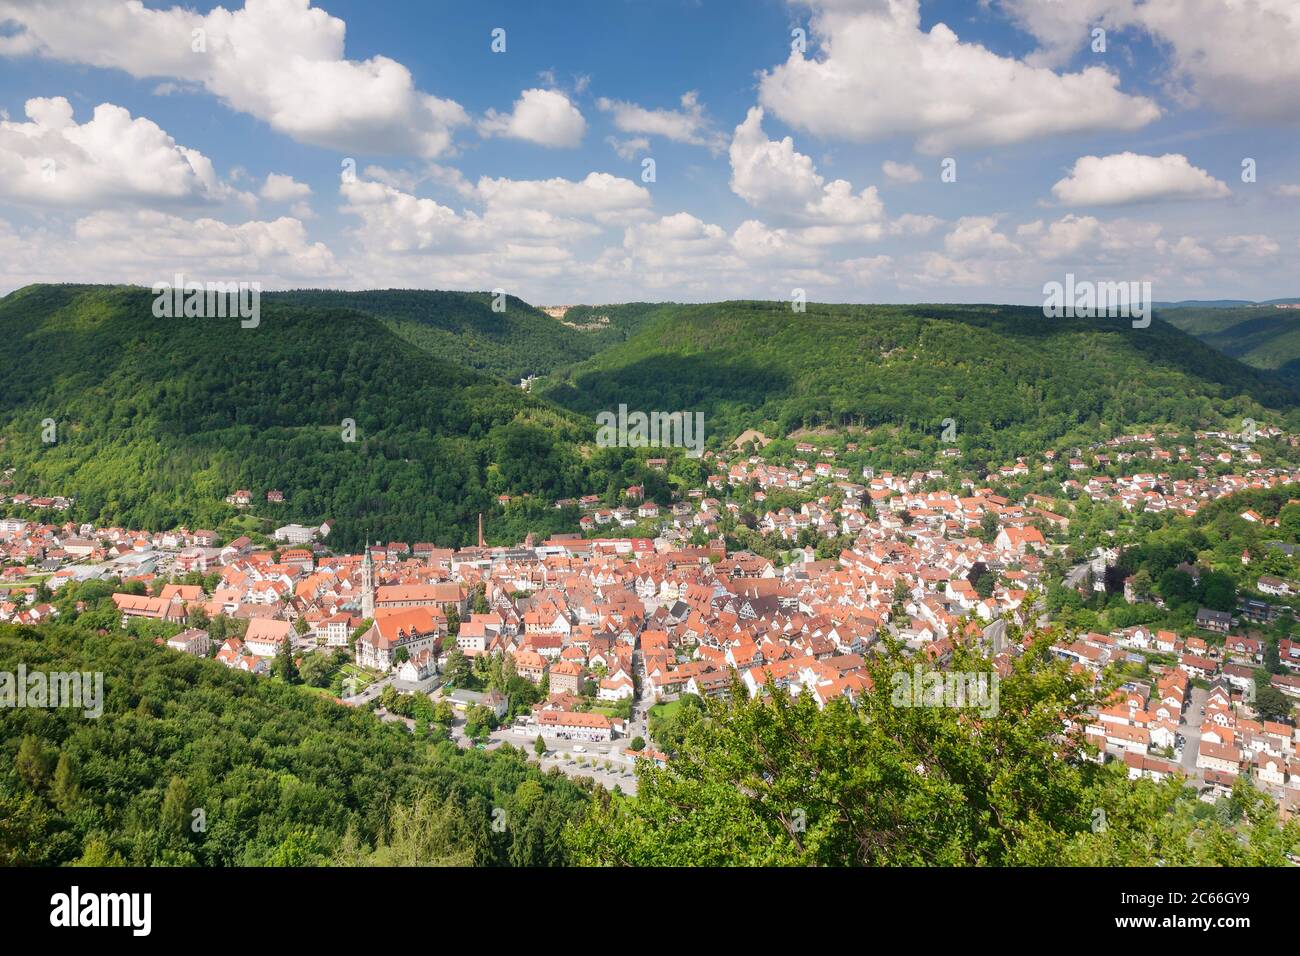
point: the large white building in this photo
(574, 725)
(295, 534)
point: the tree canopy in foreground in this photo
(776, 781)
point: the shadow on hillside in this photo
(450, 311)
(699, 382)
(1289, 372)
(1160, 344)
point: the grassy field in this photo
(27, 582)
(666, 709)
(245, 524)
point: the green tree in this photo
(284, 666)
(422, 831)
(33, 763)
(176, 809)
(444, 713)
(989, 527)
(457, 671)
(317, 669)
(97, 852)
(1218, 591)
(1271, 703)
(1177, 587)
(237, 744)
(1142, 585)
(778, 781)
(1288, 521)
(67, 788)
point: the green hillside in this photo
(279, 776)
(192, 764)
(159, 419)
(1013, 381)
(1259, 335)
(461, 327)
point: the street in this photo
(370, 693)
(1191, 731)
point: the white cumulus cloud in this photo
(689, 124)
(879, 75)
(1132, 177)
(1237, 55)
(111, 159)
(281, 61)
(280, 187)
(772, 175)
(545, 117)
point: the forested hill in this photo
(1259, 335)
(158, 419)
(1013, 380)
(462, 327)
(195, 764)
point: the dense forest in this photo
(195, 764)
(360, 407)
(1259, 335)
(462, 327)
(1012, 381)
(157, 420)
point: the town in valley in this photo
(579, 647)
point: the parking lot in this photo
(577, 758)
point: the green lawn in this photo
(363, 677)
(27, 582)
(666, 709)
(246, 524)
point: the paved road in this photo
(369, 694)
(1191, 731)
(395, 718)
(995, 634)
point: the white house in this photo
(265, 636)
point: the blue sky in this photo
(126, 154)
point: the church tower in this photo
(367, 585)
